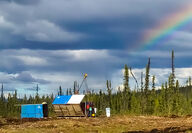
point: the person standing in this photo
(90, 111)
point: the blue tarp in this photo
(62, 99)
(32, 111)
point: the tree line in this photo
(169, 99)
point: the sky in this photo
(52, 43)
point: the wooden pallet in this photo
(68, 110)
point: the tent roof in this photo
(68, 99)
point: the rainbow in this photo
(166, 28)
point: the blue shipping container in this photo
(32, 111)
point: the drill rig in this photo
(85, 83)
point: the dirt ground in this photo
(114, 124)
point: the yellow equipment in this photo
(85, 75)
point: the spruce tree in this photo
(135, 106)
(147, 76)
(177, 99)
(70, 91)
(172, 75)
(60, 91)
(141, 96)
(67, 92)
(37, 90)
(173, 67)
(141, 82)
(147, 95)
(2, 95)
(109, 89)
(189, 81)
(126, 79)
(162, 101)
(153, 96)
(189, 92)
(153, 83)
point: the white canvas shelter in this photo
(76, 99)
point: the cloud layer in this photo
(53, 42)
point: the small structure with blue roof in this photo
(68, 105)
(34, 110)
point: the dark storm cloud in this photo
(26, 77)
(88, 24)
(79, 61)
